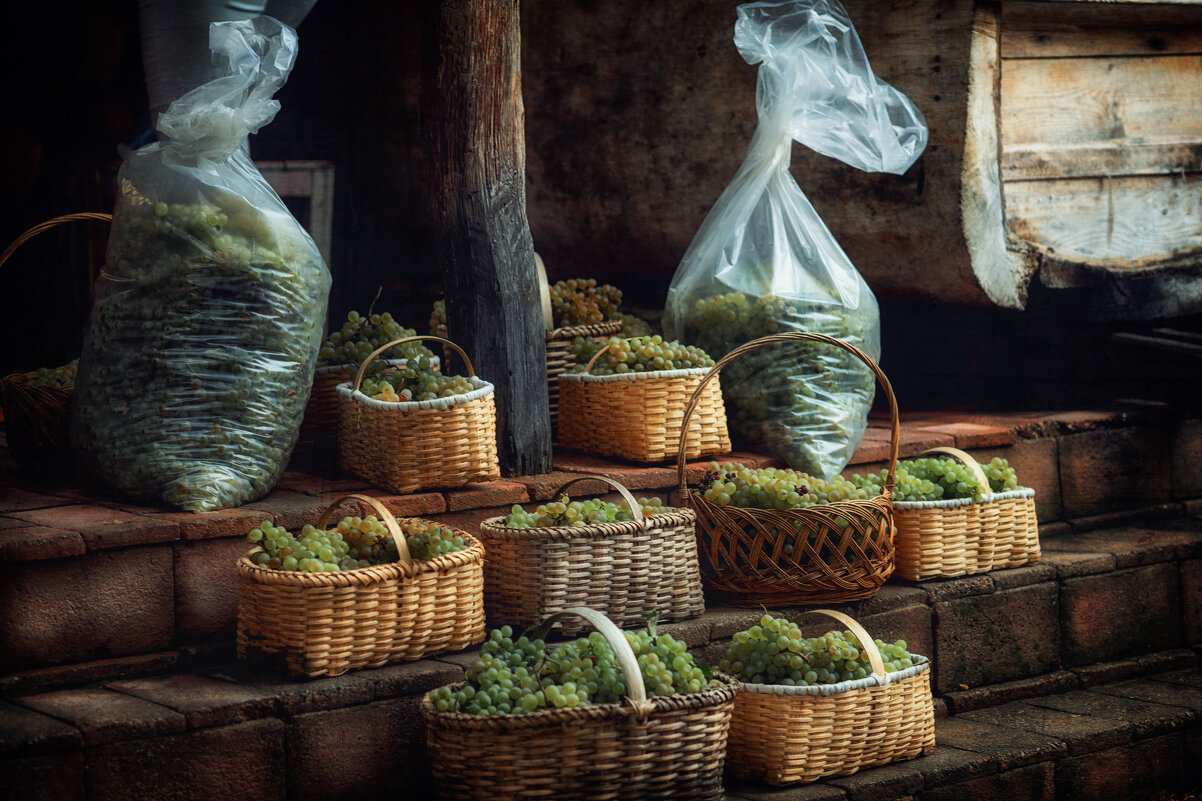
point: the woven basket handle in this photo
(792, 336)
(636, 690)
(636, 511)
(404, 559)
(593, 360)
(46, 226)
(866, 641)
(363, 367)
(960, 456)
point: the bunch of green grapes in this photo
(635, 327)
(775, 652)
(438, 318)
(641, 354)
(56, 377)
(580, 301)
(583, 348)
(933, 478)
(734, 484)
(566, 512)
(416, 380)
(353, 543)
(427, 539)
(360, 335)
(521, 676)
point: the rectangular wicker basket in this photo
(786, 734)
(325, 624)
(626, 570)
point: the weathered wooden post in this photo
(473, 130)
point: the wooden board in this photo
(1047, 30)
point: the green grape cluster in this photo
(642, 354)
(775, 652)
(438, 318)
(353, 543)
(566, 512)
(734, 484)
(805, 402)
(580, 301)
(635, 327)
(360, 335)
(933, 478)
(583, 348)
(521, 676)
(416, 380)
(55, 377)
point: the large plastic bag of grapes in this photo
(207, 318)
(764, 262)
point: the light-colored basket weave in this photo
(783, 734)
(638, 416)
(625, 570)
(960, 537)
(842, 551)
(328, 623)
(671, 747)
(414, 445)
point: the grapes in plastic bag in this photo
(763, 261)
(200, 348)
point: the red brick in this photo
(292, 510)
(916, 441)
(870, 450)
(1128, 517)
(105, 604)
(1071, 564)
(633, 477)
(886, 782)
(206, 588)
(15, 499)
(410, 678)
(103, 527)
(1131, 547)
(1009, 748)
(545, 486)
(1003, 693)
(1109, 470)
(79, 674)
(215, 525)
(57, 777)
(417, 505)
(1191, 600)
(1031, 783)
(1036, 462)
(1081, 733)
(25, 732)
(945, 765)
(104, 716)
(910, 623)
(484, 494)
(1139, 770)
(975, 435)
(1113, 615)
(1186, 460)
(470, 520)
(1142, 665)
(21, 541)
(324, 486)
(203, 701)
(243, 761)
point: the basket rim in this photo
(955, 503)
(483, 390)
(605, 326)
(644, 375)
(801, 512)
(921, 665)
(330, 369)
(590, 531)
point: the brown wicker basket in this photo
(414, 445)
(328, 623)
(637, 416)
(625, 570)
(671, 747)
(37, 417)
(843, 550)
(960, 537)
(783, 734)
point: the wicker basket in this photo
(37, 417)
(665, 748)
(960, 537)
(641, 414)
(414, 445)
(328, 623)
(843, 550)
(782, 734)
(624, 570)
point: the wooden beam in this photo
(1100, 159)
(473, 130)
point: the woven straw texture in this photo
(638, 416)
(782, 735)
(663, 748)
(625, 570)
(328, 623)
(560, 358)
(414, 445)
(942, 539)
(842, 551)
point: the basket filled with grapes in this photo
(368, 592)
(956, 517)
(626, 560)
(411, 427)
(779, 536)
(616, 714)
(809, 707)
(629, 399)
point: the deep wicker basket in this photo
(783, 734)
(625, 570)
(961, 537)
(671, 747)
(413, 445)
(843, 551)
(328, 623)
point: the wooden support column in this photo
(473, 130)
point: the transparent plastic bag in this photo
(763, 261)
(200, 349)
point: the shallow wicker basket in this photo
(625, 570)
(960, 537)
(843, 551)
(665, 748)
(328, 623)
(638, 416)
(414, 445)
(783, 734)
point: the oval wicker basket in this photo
(843, 551)
(626, 570)
(670, 747)
(328, 623)
(413, 445)
(783, 734)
